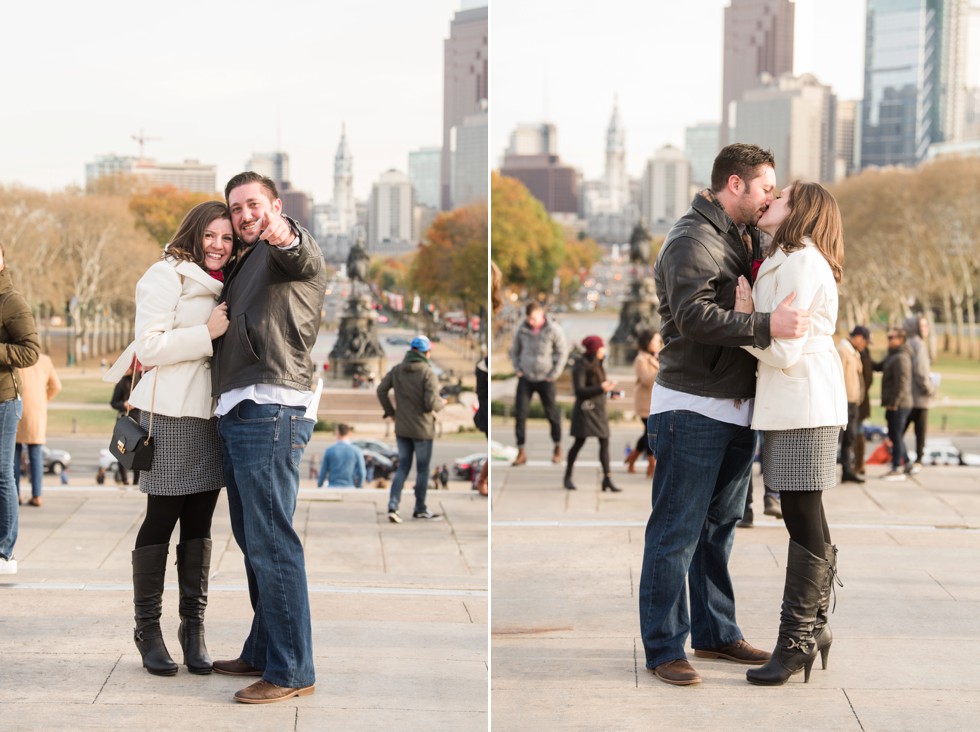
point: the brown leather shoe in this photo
(739, 652)
(556, 455)
(35, 501)
(265, 692)
(678, 673)
(237, 667)
(521, 457)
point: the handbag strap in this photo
(153, 399)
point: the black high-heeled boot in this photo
(149, 570)
(607, 484)
(806, 576)
(822, 635)
(567, 482)
(193, 567)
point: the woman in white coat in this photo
(177, 318)
(801, 406)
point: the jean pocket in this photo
(300, 432)
(249, 411)
(653, 427)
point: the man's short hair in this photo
(533, 307)
(343, 429)
(739, 159)
(250, 176)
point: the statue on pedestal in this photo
(639, 310)
(358, 352)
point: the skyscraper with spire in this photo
(344, 208)
(616, 188)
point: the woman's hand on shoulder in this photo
(743, 297)
(218, 322)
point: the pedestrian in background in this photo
(849, 349)
(19, 348)
(923, 388)
(896, 398)
(40, 384)
(646, 365)
(589, 418)
(538, 354)
(416, 402)
(343, 463)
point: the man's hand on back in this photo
(788, 322)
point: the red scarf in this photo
(217, 274)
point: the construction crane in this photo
(141, 139)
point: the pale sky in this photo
(564, 61)
(219, 80)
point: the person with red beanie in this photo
(589, 413)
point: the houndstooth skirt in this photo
(186, 456)
(800, 460)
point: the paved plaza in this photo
(566, 652)
(399, 612)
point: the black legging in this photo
(805, 519)
(163, 512)
(643, 444)
(603, 453)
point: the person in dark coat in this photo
(896, 398)
(589, 413)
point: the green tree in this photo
(527, 245)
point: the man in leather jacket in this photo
(700, 414)
(264, 380)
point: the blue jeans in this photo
(422, 450)
(262, 446)
(10, 412)
(896, 420)
(35, 458)
(703, 471)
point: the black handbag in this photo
(131, 445)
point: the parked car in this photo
(383, 467)
(463, 467)
(943, 452)
(55, 461)
(874, 432)
(383, 448)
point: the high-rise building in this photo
(544, 176)
(665, 188)
(189, 175)
(274, 165)
(344, 212)
(914, 79)
(534, 139)
(391, 214)
(469, 181)
(465, 87)
(423, 169)
(847, 139)
(796, 118)
(701, 148)
(610, 208)
(758, 39)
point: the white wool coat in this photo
(174, 300)
(800, 380)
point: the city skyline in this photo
(553, 72)
(89, 87)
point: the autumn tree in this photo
(527, 245)
(160, 210)
(450, 267)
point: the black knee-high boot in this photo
(821, 629)
(149, 570)
(806, 578)
(193, 567)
